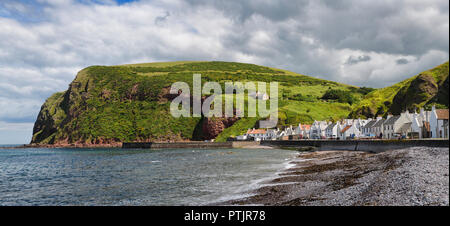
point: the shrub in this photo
(339, 95)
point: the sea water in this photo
(114, 176)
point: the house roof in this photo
(306, 127)
(392, 120)
(379, 123)
(346, 128)
(331, 126)
(256, 131)
(442, 113)
(370, 124)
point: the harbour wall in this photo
(228, 144)
(358, 145)
(323, 145)
(178, 145)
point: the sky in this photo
(44, 43)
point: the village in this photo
(407, 125)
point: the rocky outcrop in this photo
(45, 125)
(442, 95)
(212, 127)
(422, 89)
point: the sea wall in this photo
(358, 145)
(323, 145)
(179, 145)
(228, 144)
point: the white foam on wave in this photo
(248, 190)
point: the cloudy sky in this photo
(43, 43)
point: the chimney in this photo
(433, 108)
(389, 116)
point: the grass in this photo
(160, 64)
(320, 110)
(121, 103)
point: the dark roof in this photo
(379, 123)
(391, 120)
(330, 126)
(370, 124)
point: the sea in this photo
(115, 176)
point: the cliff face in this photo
(45, 125)
(422, 89)
(107, 105)
(427, 88)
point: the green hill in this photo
(423, 90)
(108, 104)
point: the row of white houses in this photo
(425, 124)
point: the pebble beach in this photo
(416, 176)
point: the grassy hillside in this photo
(422, 90)
(124, 103)
(107, 104)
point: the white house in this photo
(272, 134)
(349, 132)
(377, 128)
(332, 130)
(259, 96)
(416, 126)
(360, 123)
(289, 131)
(317, 130)
(366, 129)
(438, 118)
(298, 129)
(257, 134)
(399, 125)
(306, 131)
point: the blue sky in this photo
(124, 1)
(44, 43)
